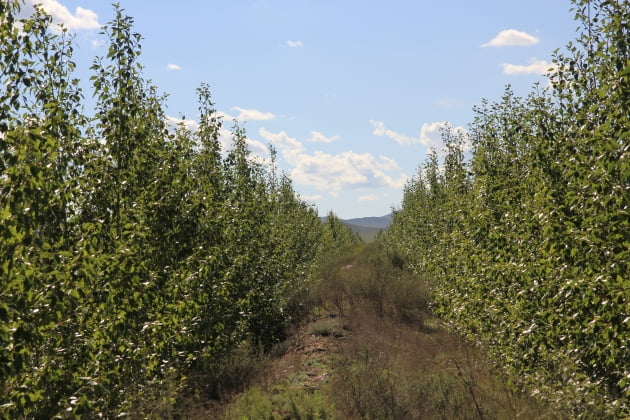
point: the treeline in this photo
(523, 223)
(131, 256)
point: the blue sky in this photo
(351, 93)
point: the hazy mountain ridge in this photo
(367, 227)
(382, 222)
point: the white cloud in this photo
(259, 151)
(286, 144)
(97, 43)
(225, 116)
(225, 139)
(253, 114)
(381, 130)
(317, 137)
(334, 173)
(290, 147)
(535, 66)
(173, 122)
(173, 67)
(430, 134)
(511, 38)
(295, 44)
(81, 19)
(388, 163)
(256, 146)
(346, 170)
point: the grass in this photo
(393, 371)
(330, 326)
(294, 386)
(367, 279)
(281, 402)
(372, 350)
(400, 362)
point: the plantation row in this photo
(131, 256)
(524, 224)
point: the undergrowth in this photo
(391, 359)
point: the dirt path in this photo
(295, 383)
(307, 363)
(371, 349)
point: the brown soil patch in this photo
(307, 362)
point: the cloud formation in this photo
(388, 164)
(295, 44)
(317, 137)
(334, 172)
(80, 20)
(252, 114)
(512, 38)
(430, 134)
(347, 170)
(535, 66)
(97, 43)
(290, 147)
(173, 67)
(257, 148)
(174, 122)
(381, 130)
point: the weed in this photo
(279, 402)
(399, 372)
(369, 278)
(329, 327)
(399, 362)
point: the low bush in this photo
(367, 276)
(279, 403)
(398, 372)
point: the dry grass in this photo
(389, 370)
(367, 278)
(399, 362)
(370, 350)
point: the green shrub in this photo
(132, 256)
(279, 403)
(526, 244)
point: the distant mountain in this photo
(367, 227)
(382, 222)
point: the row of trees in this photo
(130, 254)
(529, 240)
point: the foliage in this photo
(339, 237)
(280, 403)
(365, 276)
(528, 241)
(131, 256)
(397, 361)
